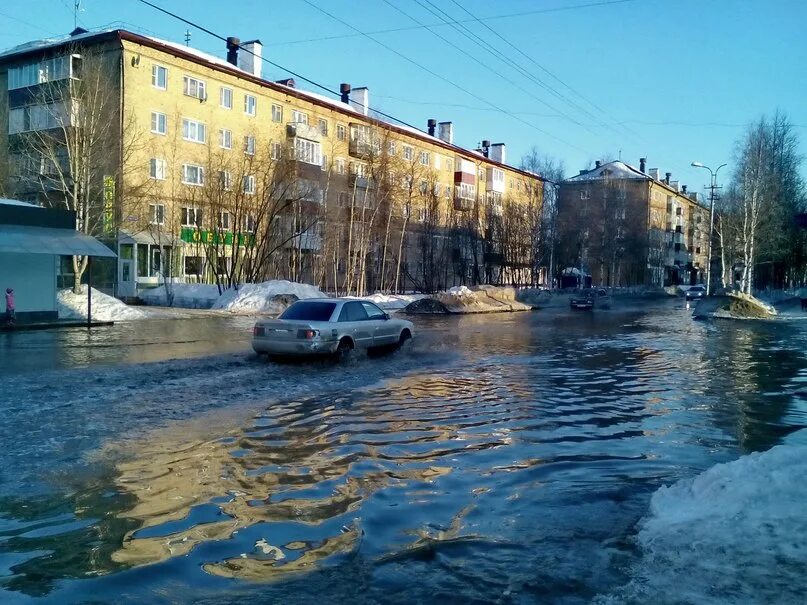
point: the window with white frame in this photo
(249, 184)
(159, 122)
(249, 144)
(193, 174)
(408, 152)
(424, 158)
(159, 76)
(225, 138)
(309, 152)
(47, 70)
(194, 131)
(277, 113)
(276, 150)
(424, 187)
(299, 117)
(341, 132)
(339, 165)
(323, 127)
(226, 97)
(497, 176)
(391, 147)
(585, 194)
(225, 220)
(157, 214)
(225, 180)
(466, 191)
(250, 105)
(191, 217)
(158, 169)
(324, 162)
(249, 223)
(194, 88)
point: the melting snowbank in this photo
(186, 296)
(736, 533)
(258, 298)
(104, 307)
(391, 302)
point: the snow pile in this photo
(737, 533)
(257, 298)
(187, 296)
(390, 302)
(460, 291)
(104, 307)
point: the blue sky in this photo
(672, 80)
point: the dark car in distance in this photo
(589, 298)
(695, 293)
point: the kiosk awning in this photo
(23, 239)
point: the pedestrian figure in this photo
(10, 315)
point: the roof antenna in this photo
(76, 9)
(187, 37)
(620, 155)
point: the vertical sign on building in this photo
(109, 204)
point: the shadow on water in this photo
(502, 458)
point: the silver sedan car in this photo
(329, 326)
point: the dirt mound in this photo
(426, 306)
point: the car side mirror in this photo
(386, 316)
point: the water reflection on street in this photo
(504, 458)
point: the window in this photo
(276, 150)
(391, 147)
(408, 153)
(424, 187)
(585, 194)
(450, 165)
(249, 223)
(299, 117)
(226, 97)
(339, 165)
(697, 250)
(341, 132)
(193, 265)
(324, 162)
(225, 219)
(372, 311)
(424, 158)
(157, 212)
(39, 72)
(225, 138)
(323, 127)
(353, 311)
(193, 174)
(437, 161)
(466, 191)
(249, 184)
(249, 145)
(307, 151)
(159, 77)
(191, 217)
(250, 105)
(158, 169)
(194, 88)
(277, 113)
(193, 131)
(225, 180)
(159, 123)
(343, 198)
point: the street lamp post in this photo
(712, 188)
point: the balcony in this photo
(360, 149)
(305, 241)
(358, 180)
(463, 204)
(299, 130)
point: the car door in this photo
(357, 325)
(385, 332)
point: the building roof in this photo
(24, 239)
(220, 64)
(611, 170)
(7, 202)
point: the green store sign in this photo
(215, 238)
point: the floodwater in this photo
(547, 457)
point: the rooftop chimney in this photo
(496, 152)
(597, 163)
(445, 132)
(432, 124)
(287, 82)
(361, 100)
(667, 176)
(485, 147)
(583, 171)
(249, 59)
(642, 165)
(653, 172)
(344, 90)
(232, 50)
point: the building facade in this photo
(627, 226)
(202, 170)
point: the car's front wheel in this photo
(405, 337)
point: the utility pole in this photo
(712, 199)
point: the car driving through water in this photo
(330, 326)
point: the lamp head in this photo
(697, 165)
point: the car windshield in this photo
(697, 289)
(309, 311)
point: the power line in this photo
(272, 63)
(474, 20)
(436, 75)
(485, 65)
(538, 65)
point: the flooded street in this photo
(515, 458)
